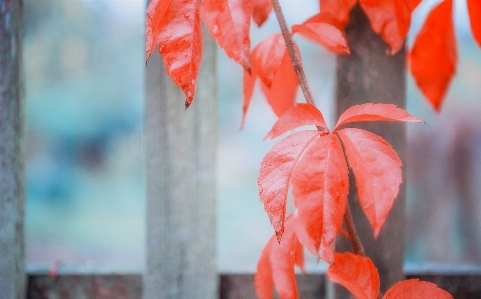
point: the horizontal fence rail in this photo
(232, 286)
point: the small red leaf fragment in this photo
(413, 288)
(282, 94)
(175, 26)
(374, 112)
(474, 9)
(356, 273)
(261, 11)
(276, 265)
(413, 4)
(324, 34)
(263, 281)
(229, 23)
(434, 57)
(249, 81)
(389, 18)
(267, 57)
(320, 185)
(377, 169)
(275, 174)
(297, 116)
(335, 12)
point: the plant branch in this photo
(356, 244)
(295, 59)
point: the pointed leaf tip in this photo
(377, 169)
(433, 58)
(375, 112)
(229, 23)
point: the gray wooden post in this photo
(12, 197)
(180, 155)
(369, 75)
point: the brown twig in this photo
(356, 244)
(295, 59)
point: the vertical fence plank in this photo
(370, 75)
(180, 155)
(12, 273)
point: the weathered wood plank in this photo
(85, 286)
(232, 286)
(180, 155)
(369, 75)
(12, 197)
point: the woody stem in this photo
(293, 54)
(356, 244)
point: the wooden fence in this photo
(180, 162)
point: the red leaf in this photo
(320, 185)
(267, 57)
(413, 4)
(324, 34)
(335, 12)
(374, 112)
(175, 26)
(474, 9)
(249, 81)
(275, 174)
(434, 56)
(271, 62)
(390, 19)
(282, 94)
(377, 169)
(261, 11)
(276, 265)
(356, 273)
(413, 288)
(297, 116)
(229, 22)
(263, 278)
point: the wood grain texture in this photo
(370, 75)
(180, 156)
(12, 197)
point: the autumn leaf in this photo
(279, 83)
(282, 94)
(374, 112)
(356, 273)
(261, 10)
(434, 57)
(229, 23)
(389, 18)
(175, 26)
(334, 12)
(299, 115)
(377, 169)
(276, 265)
(413, 288)
(474, 9)
(320, 185)
(275, 175)
(413, 4)
(267, 57)
(324, 34)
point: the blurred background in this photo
(84, 67)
